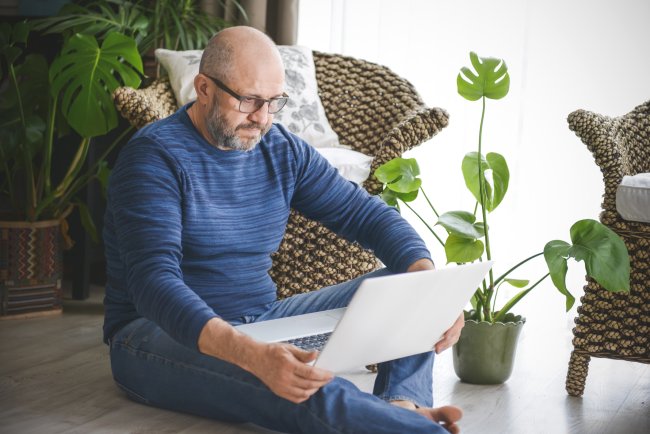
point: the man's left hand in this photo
(451, 336)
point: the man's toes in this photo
(448, 414)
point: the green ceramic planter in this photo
(485, 352)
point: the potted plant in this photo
(171, 24)
(485, 352)
(45, 106)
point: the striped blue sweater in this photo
(189, 229)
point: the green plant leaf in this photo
(400, 175)
(20, 32)
(604, 253)
(461, 250)
(390, 197)
(461, 224)
(489, 79)
(87, 220)
(87, 75)
(496, 190)
(34, 131)
(556, 253)
(517, 283)
(103, 173)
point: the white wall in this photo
(562, 55)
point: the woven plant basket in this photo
(30, 268)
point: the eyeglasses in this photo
(251, 104)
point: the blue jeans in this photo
(154, 369)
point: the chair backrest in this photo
(620, 145)
(362, 100)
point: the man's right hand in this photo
(284, 369)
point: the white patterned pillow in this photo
(303, 115)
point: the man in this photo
(196, 204)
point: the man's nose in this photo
(261, 116)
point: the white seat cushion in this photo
(352, 165)
(633, 198)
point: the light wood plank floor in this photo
(55, 378)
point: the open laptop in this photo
(389, 317)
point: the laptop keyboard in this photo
(309, 343)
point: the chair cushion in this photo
(303, 115)
(352, 165)
(633, 198)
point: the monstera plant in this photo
(465, 235)
(45, 108)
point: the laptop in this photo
(388, 317)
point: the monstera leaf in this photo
(604, 253)
(491, 79)
(495, 190)
(400, 175)
(85, 75)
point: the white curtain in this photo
(562, 55)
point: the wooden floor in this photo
(55, 378)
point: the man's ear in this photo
(201, 88)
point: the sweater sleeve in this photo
(347, 209)
(145, 192)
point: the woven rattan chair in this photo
(373, 111)
(615, 325)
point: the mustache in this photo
(250, 125)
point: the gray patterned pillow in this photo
(303, 115)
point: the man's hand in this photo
(284, 369)
(451, 336)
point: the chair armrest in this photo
(417, 127)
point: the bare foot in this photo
(446, 416)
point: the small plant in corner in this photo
(465, 235)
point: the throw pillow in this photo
(303, 115)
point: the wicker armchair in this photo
(615, 325)
(372, 110)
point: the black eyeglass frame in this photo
(283, 99)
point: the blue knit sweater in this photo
(189, 229)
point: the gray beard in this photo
(225, 137)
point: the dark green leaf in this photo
(87, 221)
(461, 224)
(35, 129)
(604, 253)
(461, 250)
(400, 175)
(489, 79)
(103, 173)
(496, 189)
(87, 75)
(34, 84)
(20, 32)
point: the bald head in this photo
(238, 49)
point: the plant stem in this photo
(514, 300)
(481, 188)
(503, 276)
(429, 202)
(81, 181)
(49, 141)
(30, 192)
(442, 243)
